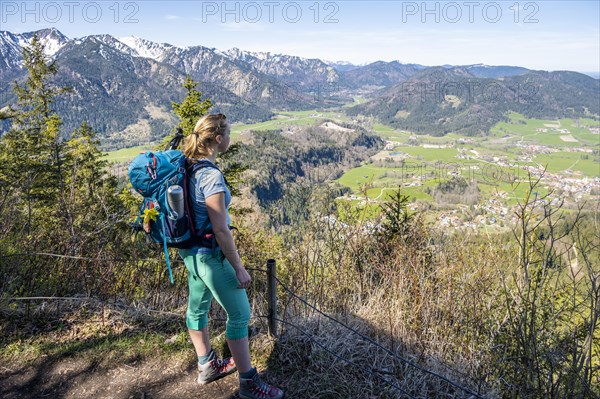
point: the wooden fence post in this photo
(272, 296)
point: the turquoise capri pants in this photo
(212, 275)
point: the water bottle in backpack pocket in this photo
(173, 223)
(176, 202)
(162, 179)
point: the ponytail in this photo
(199, 142)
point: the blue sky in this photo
(551, 35)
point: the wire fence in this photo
(76, 257)
(371, 370)
(272, 317)
(367, 339)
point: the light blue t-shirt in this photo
(204, 183)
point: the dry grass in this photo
(445, 301)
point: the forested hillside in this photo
(317, 155)
(440, 100)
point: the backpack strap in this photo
(203, 163)
(162, 222)
(191, 170)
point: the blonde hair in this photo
(197, 144)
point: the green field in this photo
(361, 175)
(357, 100)
(521, 128)
(127, 154)
(582, 133)
(390, 133)
(431, 166)
(527, 131)
(488, 186)
(430, 154)
(559, 162)
(416, 192)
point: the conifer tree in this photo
(30, 152)
(191, 108)
(51, 179)
(84, 159)
(189, 111)
(37, 94)
(397, 218)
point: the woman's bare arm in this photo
(217, 212)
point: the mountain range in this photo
(124, 86)
(440, 100)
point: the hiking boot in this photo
(255, 388)
(215, 368)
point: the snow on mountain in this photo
(247, 56)
(205, 62)
(51, 38)
(288, 67)
(111, 41)
(10, 41)
(10, 49)
(11, 46)
(236, 53)
(333, 63)
(146, 48)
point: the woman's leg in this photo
(199, 301)
(240, 350)
(210, 367)
(201, 341)
(221, 280)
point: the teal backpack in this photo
(162, 179)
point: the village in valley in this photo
(565, 160)
(564, 154)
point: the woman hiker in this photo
(217, 271)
